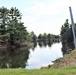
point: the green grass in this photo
(20, 71)
(57, 69)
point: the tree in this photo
(44, 37)
(65, 31)
(34, 38)
(40, 37)
(49, 37)
(18, 32)
(12, 29)
(67, 37)
(3, 24)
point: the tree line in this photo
(44, 37)
(12, 30)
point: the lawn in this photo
(20, 71)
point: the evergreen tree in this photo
(16, 28)
(40, 37)
(49, 37)
(12, 30)
(3, 24)
(67, 37)
(65, 31)
(44, 36)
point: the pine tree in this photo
(3, 24)
(12, 30)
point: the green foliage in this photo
(3, 24)
(12, 30)
(40, 37)
(34, 38)
(44, 37)
(47, 37)
(67, 37)
(66, 32)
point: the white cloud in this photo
(48, 17)
(29, 19)
(36, 9)
(43, 9)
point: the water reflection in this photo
(42, 44)
(14, 58)
(50, 44)
(43, 54)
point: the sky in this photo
(43, 16)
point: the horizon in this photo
(43, 16)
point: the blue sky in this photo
(43, 15)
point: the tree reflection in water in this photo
(17, 57)
(42, 44)
(14, 58)
(67, 46)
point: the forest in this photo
(13, 30)
(14, 35)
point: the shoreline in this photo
(4, 47)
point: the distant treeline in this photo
(45, 37)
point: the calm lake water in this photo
(43, 55)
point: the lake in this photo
(42, 56)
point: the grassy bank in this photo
(67, 60)
(64, 71)
(62, 66)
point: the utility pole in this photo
(73, 26)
